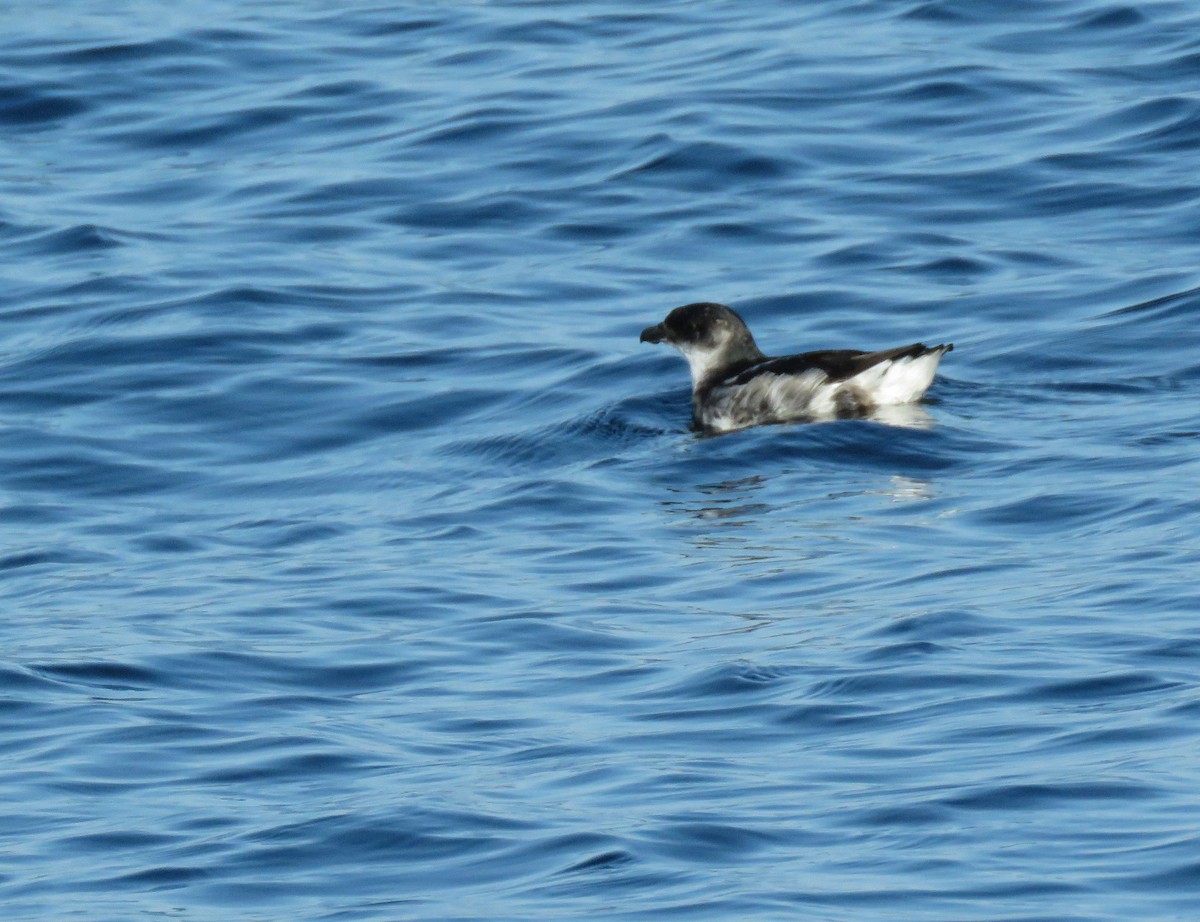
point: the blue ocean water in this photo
(358, 562)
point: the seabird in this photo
(734, 385)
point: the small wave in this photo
(28, 106)
(706, 166)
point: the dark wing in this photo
(867, 360)
(836, 364)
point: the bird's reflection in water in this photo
(903, 416)
(736, 512)
(728, 502)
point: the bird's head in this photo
(710, 336)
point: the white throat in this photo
(700, 361)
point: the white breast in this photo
(766, 398)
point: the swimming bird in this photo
(734, 385)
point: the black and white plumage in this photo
(734, 385)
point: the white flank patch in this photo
(900, 381)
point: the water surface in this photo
(358, 563)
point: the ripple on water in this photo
(362, 564)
